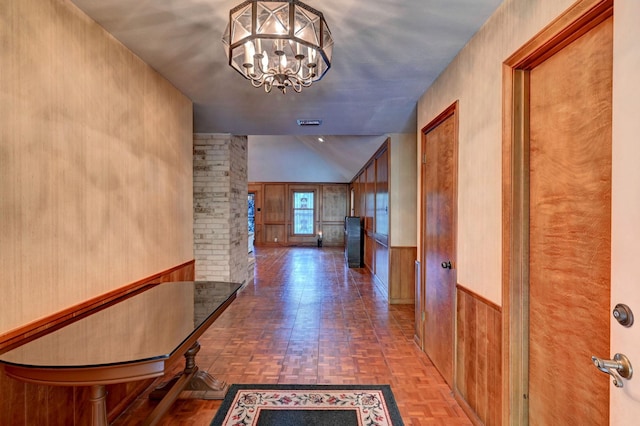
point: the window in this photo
(251, 213)
(303, 213)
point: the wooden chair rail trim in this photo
(479, 298)
(30, 331)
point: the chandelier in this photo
(282, 44)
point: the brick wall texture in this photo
(220, 207)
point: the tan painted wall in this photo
(474, 78)
(402, 181)
(95, 163)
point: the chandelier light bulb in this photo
(249, 53)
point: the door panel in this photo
(570, 231)
(370, 209)
(438, 226)
(382, 195)
(625, 234)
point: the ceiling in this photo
(386, 54)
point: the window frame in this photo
(314, 209)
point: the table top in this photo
(148, 326)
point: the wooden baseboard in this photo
(467, 409)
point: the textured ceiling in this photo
(386, 54)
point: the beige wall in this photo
(402, 181)
(475, 79)
(95, 163)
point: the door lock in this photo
(618, 368)
(446, 265)
(622, 313)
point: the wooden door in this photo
(570, 231)
(439, 148)
(625, 209)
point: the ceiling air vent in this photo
(309, 122)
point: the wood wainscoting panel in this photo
(334, 202)
(478, 383)
(275, 233)
(275, 200)
(333, 234)
(274, 213)
(402, 286)
(30, 404)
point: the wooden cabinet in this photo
(382, 195)
(369, 215)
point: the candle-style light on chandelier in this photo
(282, 44)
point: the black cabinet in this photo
(354, 244)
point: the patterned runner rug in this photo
(308, 405)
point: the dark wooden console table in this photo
(135, 338)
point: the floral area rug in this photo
(308, 405)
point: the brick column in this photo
(220, 207)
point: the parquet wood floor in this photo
(308, 318)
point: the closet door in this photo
(439, 238)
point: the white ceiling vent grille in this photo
(309, 122)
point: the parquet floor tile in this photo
(308, 319)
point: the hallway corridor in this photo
(307, 318)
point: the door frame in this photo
(581, 17)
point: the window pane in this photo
(303, 222)
(303, 200)
(303, 213)
(251, 214)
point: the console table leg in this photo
(98, 405)
(201, 384)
